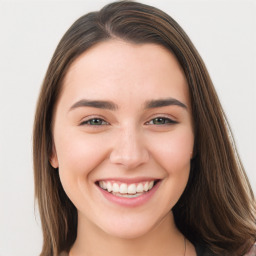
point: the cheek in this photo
(174, 154)
(79, 153)
(174, 150)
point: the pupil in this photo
(96, 121)
(159, 121)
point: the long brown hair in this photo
(217, 207)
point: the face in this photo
(123, 136)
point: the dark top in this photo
(203, 251)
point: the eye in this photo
(161, 121)
(94, 122)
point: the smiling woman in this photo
(132, 150)
(140, 122)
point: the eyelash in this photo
(163, 120)
(100, 121)
(88, 122)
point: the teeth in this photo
(123, 188)
(126, 189)
(151, 184)
(115, 187)
(132, 189)
(127, 195)
(109, 187)
(146, 186)
(103, 184)
(139, 188)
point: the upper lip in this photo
(129, 180)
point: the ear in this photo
(53, 158)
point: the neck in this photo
(164, 239)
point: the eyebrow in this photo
(95, 104)
(101, 104)
(163, 103)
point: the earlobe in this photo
(53, 158)
(193, 154)
(54, 162)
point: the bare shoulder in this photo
(252, 252)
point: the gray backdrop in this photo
(223, 31)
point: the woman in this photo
(132, 150)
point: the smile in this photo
(127, 190)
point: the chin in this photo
(130, 227)
(129, 232)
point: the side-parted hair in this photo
(217, 207)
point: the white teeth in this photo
(124, 188)
(115, 187)
(109, 187)
(139, 188)
(132, 189)
(128, 195)
(103, 184)
(151, 184)
(146, 186)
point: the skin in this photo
(128, 143)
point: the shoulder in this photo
(252, 251)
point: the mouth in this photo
(127, 190)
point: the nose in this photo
(129, 149)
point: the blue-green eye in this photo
(94, 122)
(161, 121)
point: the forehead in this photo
(117, 66)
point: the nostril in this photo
(130, 161)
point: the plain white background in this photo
(223, 31)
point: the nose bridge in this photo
(129, 149)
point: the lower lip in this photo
(130, 202)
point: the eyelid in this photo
(163, 116)
(91, 117)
